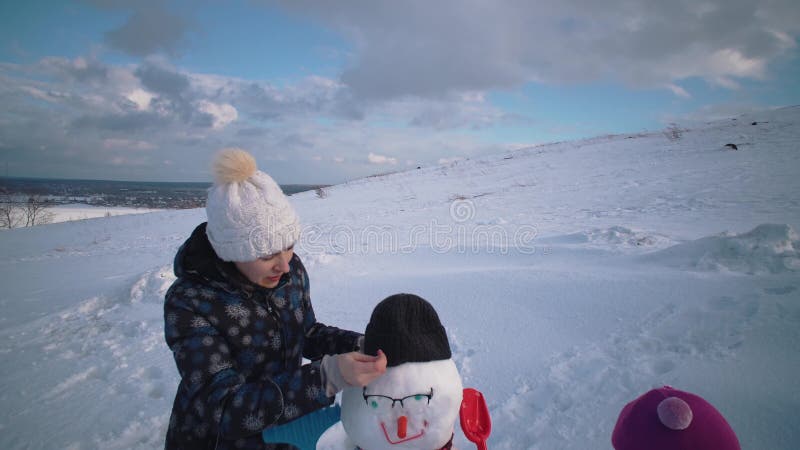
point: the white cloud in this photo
(223, 113)
(466, 110)
(127, 144)
(709, 113)
(141, 98)
(380, 159)
(429, 49)
(124, 121)
(726, 82)
(127, 161)
(785, 38)
(679, 91)
(37, 93)
(731, 62)
(149, 29)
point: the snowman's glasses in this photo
(376, 401)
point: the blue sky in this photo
(324, 92)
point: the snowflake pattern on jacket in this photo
(239, 348)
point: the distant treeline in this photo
(149, 194)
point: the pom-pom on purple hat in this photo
(669, 419)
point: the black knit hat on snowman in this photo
(407, 329)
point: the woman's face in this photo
(267, 271)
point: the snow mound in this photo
(768, 248)
(577, 398)
(616, 237)
(152, 285)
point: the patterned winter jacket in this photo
(239, 348)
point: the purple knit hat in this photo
(669, 419)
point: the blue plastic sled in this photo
(303, 432)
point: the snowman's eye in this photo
(374, 404)
(418, 397)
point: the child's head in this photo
(249, 217)
(669, 419)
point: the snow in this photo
(78, 211)
(571, 277)
(768, 248)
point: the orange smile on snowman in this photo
(402, 431)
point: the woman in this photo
(239, 320)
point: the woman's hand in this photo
(359, 369)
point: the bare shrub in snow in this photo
(36, 211)
(673, 132)
(32, 212)
(10, 215)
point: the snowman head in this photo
(415, 404)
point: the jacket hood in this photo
(196, 258)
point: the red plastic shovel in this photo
(475, 420)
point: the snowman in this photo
(415, 404)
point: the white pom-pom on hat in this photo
(674, 413)
(233, 165)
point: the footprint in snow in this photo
(577, 398)
(462, 356)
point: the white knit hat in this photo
(248, 215)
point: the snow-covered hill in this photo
(571, 277)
